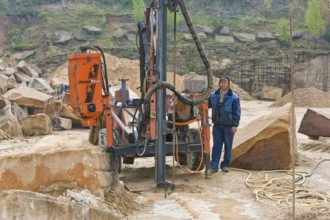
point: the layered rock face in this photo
(264, 144)
(37, 163)
(19, 204)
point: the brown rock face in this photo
(265, 144)
(267, 154)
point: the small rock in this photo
(24, 55)
(224, 39)
(22, 77)
(224, 31)
(41, 85)
(63, 123)
(245, 37)
(26, 68)
(120, 33)
(92, 30)
(9, 71)
(63, 37)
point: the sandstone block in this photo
(54, 161)
(63, 123)
(21, 77)
(271, 93)
(264, 144)
(315, 124)
(39, 124)
(28, 97)
(41, 85)
(20, 204)
(26, 68)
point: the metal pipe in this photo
(123, 92)
(160, 154)
(206, 63)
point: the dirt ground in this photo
(226, 196)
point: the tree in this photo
(267, 7)
(313, 18)
(282, 29)
(326, 35)
(4, 5)
(138, 9)
(325, 10)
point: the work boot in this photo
(225, 169)
(214, 170)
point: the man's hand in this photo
(233, 129)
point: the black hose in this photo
(312, 171)
(106, 81)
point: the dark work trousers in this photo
(221, 135)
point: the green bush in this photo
(4, 5)
(283, 30)
(138, 10)
(313, 18)
(23, 46)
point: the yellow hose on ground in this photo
(280, 189)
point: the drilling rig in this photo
(143, 126)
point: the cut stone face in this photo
(265, 143)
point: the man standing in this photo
(226, 114)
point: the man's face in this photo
(224, 84)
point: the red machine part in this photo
(86, 86)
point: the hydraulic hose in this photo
(206, 63)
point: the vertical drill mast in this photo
(160, 154)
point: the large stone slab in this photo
(19, 204)
(315, 124)
(264, 144)
(37, 163)
(28, 97)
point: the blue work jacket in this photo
(227, 113)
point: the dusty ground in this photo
(225, 195)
